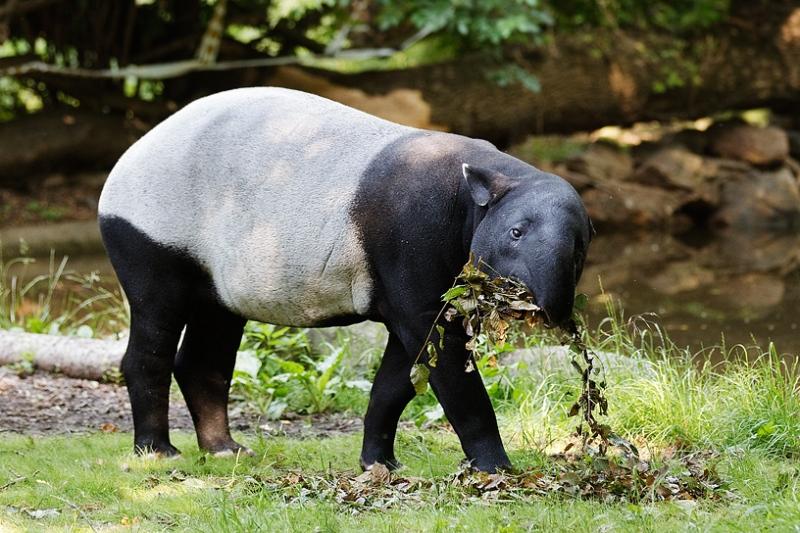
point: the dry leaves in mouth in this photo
(486, 304)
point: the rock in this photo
(757, 146)
(625, 204)
(675, 167)
(759, 200)
(580, 181)
(794, 143)
(752, 291)
(680, 277)
(603, 161)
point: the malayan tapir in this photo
(287, 208)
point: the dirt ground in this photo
(55, 201)
(43, 403)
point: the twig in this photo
(80, 511)
(13, 482)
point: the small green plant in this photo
(285, 373)
(24, 367)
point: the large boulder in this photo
(757, 146)
(675, 167)
(631, 204)
(603, 161)
(759, 200)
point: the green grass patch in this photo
(744, 417)
(86, 482)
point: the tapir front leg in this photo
(465, 401)
(467, 406)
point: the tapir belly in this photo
(293, 276)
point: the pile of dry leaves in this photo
(602, 478)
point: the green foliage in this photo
(495, 30)
(673, 16)
(286, 373)
(59, 301)
(476, 25)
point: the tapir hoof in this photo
(491, 466)
(230, 448)
(158, 451)
(232, 452)
(392, 464)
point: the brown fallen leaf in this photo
(108, 427)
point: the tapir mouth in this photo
(548, 319)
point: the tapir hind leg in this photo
(391, 392)
(204, 368)
(163, 286)
(147, 367)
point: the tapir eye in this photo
(516, 233)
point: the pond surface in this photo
(700, 287)
(745, 287)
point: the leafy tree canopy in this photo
(103, 34)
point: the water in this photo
(700, 287)
(745, 287)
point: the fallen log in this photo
(71, 356)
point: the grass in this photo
(93, 481)
(742, 416)
(59, 301)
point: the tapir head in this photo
(535, 229)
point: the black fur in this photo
(418, 224)
(167, 290)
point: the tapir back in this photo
(255, 185)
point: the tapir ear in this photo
(485, 185)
